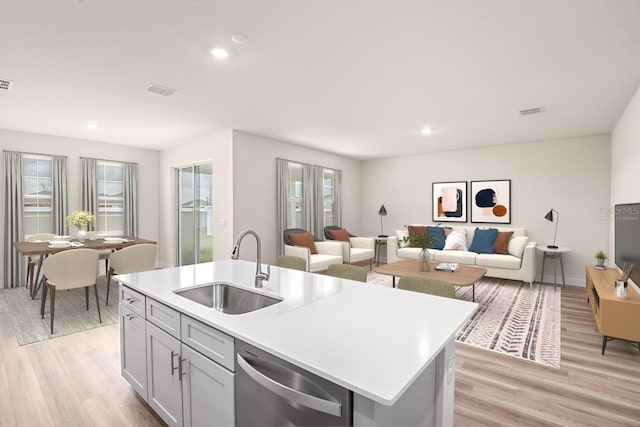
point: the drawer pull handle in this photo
(130, 300)
(129, 316)
(173, 367)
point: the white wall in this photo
(216, 148)
(570, 175)
(254, 188)
(147, 161)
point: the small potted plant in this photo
(600, 258)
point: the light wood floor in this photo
(75, 381)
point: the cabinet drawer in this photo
(214, 344)
(165, 318)
(132, 299)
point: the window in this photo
(295, 204)
(328, 197)
(37, 179)
(110, 197)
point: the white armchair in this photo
(328, 252)
(356, 249)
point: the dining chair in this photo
(70, 269)
(427, 285)
(31, 264)
(132, 259)
(346, 271)
(292, 262)
(104, 254)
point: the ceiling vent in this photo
(161, 90)
(5, 84)
(530, 111)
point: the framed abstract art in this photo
(491, 201)
(449, 201)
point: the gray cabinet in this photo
(163, 375)
(207, 391)
(182, 368)
(133, 354)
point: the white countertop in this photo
(370, 339)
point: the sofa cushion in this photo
(437, 234)
(508, 262)
(304, 239)
(456, 240)
(483, 240)
(340, 234)
(461, 257)
(500, 244)
(401, 235)
(417, 232)
(516, 245)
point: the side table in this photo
(556, 255)
(380, 241)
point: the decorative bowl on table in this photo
(113, 240)
(59, 244)
(61, 238)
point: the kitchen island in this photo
(393, 349)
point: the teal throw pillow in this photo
(438, 236)
(483, 241)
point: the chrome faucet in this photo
(260, 276)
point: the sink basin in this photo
(227, 298)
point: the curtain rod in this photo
(33, 154)
(307, 164)
(108, 160)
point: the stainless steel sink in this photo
(227, 298)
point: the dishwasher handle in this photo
(321, 405)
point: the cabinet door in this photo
(133, 355)
(207, 391)
(163, 375)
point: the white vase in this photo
(81, 234)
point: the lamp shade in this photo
(549, 216)
(382, 211)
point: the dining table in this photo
(42, 249)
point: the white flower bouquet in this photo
(81, 219)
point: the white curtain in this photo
(337, 197)
(130, 199)
(13, 209)
(88, 185)
(317, 195)
(282, 198)
(59, 204)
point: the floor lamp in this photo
(549, 217)
(382, 212)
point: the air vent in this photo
(530, 111)
(161, 90)
(5, 84)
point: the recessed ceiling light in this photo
(239, 38)
(220, 53)
(92, 126)
(426, 131)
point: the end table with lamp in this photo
(556, 255)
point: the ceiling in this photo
(359, 78)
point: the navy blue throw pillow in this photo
(483, 241)
(438, 236)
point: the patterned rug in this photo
(511, 319)
(71, 313)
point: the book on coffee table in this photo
(447, 266)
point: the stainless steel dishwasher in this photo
(273, 392)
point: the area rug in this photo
(71, 314)
(511, 319)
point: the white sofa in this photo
(513, 266)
